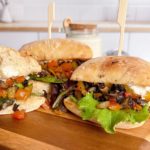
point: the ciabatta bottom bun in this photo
(31, 104)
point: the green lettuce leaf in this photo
(87, 104)
(47, 79)
(139, 116)
(109, 118)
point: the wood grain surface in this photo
(67, 134)
(141, 132)
(11, 140)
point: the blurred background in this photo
(26, 20)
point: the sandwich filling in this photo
(58, 70)
(14, 92)
(57, 73)
(109, 104)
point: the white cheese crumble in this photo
(140, 90)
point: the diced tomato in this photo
(112, 101)
(67, 67)
(22, 94)
(52, 64)
(113, 105)
(20, 79)
(18, 115)
(127, 94)
(3, 93)
(10, 82)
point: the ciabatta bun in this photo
(53, 49)
(114, 69)
(31, 104)
(13, 64)
(72, 107)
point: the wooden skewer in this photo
(51, 17)
(121, 21)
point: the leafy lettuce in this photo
(108, 118)
(88, 106)
(47, 79)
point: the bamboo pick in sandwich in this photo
(51, 17)
(121, 21)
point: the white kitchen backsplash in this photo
(79, 9)
(136, 44)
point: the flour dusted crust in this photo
(114, 69)
(72, 107)
(13, 64)
(52, 49)
(31, 104)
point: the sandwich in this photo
(112, 91)
(58, 59)
(16, 92)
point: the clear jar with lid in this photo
(85, 33)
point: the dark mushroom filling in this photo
(111, 96)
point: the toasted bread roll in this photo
(53, 49)
(13, 64)
(32, 103)
(114, 69)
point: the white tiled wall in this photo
(78, 9)
(110, 41)
(139, 45)
(16, 39)
(136, 44)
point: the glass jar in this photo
(85, 33)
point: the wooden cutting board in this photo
(141, 132)
(44, 131)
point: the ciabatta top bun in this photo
(114, 69)
(53, 49)
(13, 64)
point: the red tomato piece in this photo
(22, 94)
(10, 82)
(52, 64)
(113, 105)
(20, 79)
(19, 115)
(127, 94)
(67, 67)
